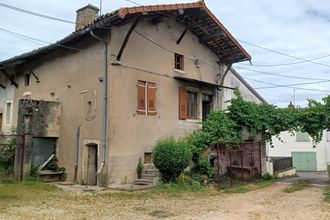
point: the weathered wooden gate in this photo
(243, 162)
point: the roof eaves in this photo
(248, 85)
(216, 20)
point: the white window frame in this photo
(10, 113)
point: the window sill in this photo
(179, 71)
(193, 120)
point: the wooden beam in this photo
(182, 35)
(213, 36)
(35, 76)
(120, 53)
(10, 78)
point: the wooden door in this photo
(92, 165)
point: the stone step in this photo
(143, 182)
(50, 176)
(152, 171)
(149, 176)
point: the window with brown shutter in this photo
(151, 98)
(182, 103)
(141, 97)
(146, 98)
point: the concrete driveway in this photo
(315, 178)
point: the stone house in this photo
(121, 81)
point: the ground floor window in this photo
(192, 105)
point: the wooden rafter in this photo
(9, 77)
(135, 23)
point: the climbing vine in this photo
(228, 126)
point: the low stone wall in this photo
(288, 172)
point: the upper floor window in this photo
(146, 98)
(178, 61)
(302, 136)
(27, 79)
(8, 113)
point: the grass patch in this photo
(297, 186)
(11, 189)
(249, 187)
(327, 194)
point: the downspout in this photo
(77, 153)
(105, 101)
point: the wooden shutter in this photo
(141, 96)
(182, 103)
(151, 99)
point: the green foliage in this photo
(220, 128)
(139, 169)
(7, 158)
(177, 187)
(327, 194)
(297, 186)
(53, 165)
(268, 176)
(315, 119)
(228, 127)
(171, 157)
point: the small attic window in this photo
(178, 61)
(27, 79)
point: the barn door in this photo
(42, 149)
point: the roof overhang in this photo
(196, 16)
(202, 22)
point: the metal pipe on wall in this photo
(105, 101)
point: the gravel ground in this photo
(266, 203)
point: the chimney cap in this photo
(89, 6)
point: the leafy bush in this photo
(171, 157)
(268, 176)
(7, 158)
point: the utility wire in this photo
(24, 37)
(62, 20)
(133, 2)
(254, 45)
(35, 13)
(286, 64)
(286, 86)
(284, 54)
(45, 42)
(281, 75)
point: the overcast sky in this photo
(300, 28)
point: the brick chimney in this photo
(86, 15)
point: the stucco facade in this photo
(74, 79)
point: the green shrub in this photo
(171, 157)
(139, 169)
(268, 176)
(7, 158)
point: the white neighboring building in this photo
(299, 146)
(6, 105)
